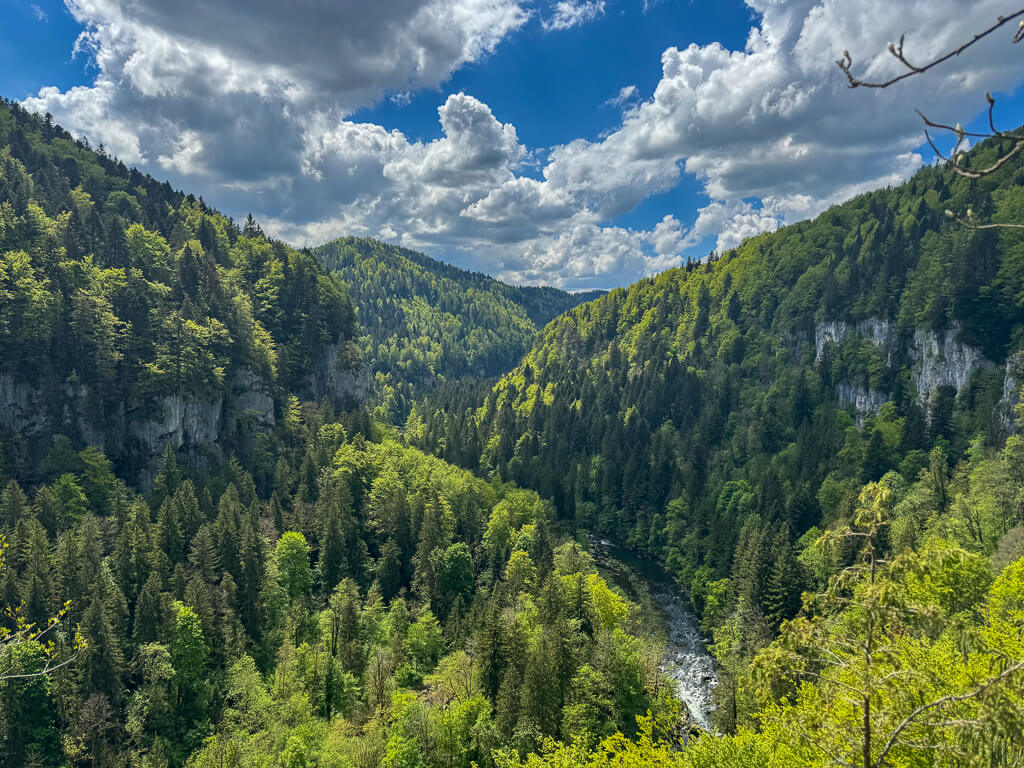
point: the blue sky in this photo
(487, 132)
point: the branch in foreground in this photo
(969, 222)
(846, 62)
(911, 719)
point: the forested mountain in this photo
(766, 384)
(425, 322)
(813, 433)
(293, 587)
(132, 315)
(718, 417)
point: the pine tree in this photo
(36, 588)
(102, 662)
(344, 624)
(13, 505)
(785, 581)
(132, 552)
(150, 613)
(203, 555)
(490, 650)
(332, 563)
(189, 513)
(168, 478)
(169, 537)
(251, 581)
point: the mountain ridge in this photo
(643, 409)
(427, 323)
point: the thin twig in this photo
(970, 223)
(951, 699)
(48, 669)
(846, 62)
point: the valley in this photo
(275, 506)
(685, 661)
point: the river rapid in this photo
(686, 661)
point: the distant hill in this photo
(425, 322)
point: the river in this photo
(686, 661)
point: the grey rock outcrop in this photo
(21, 410)
(178, 421)
(182, 420)
(936, 359)
(942, 360)
(340, 378)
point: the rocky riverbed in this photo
(686, 660)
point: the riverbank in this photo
(685, 660)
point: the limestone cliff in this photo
(935, 359)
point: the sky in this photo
(577, 143)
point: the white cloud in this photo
(733, 222)
(626, 94)
(184, 159)
(570, 13)
(255, 116)
(39, 13)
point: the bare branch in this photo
(968, 222)
(46, 670)
(961, 134)
(846, 62)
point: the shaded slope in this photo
(132, 315)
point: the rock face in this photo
(184, 421)
(344, 382)
(936, 359)
(864, 400)
(881, 332)
(137, 432)
(179, 421)
(1013, 380)
(942, 360)
(20, 410)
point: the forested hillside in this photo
(132, 315)
(287, 586)
(425, 322)
(206, 560)
(376, 607)
(718, 417)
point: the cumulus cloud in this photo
(569, 14)
(256, 115)
(777, 120)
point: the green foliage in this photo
(118, 295)
(214, 635)
(704, 416)
(315, 591)
(292, 554)
(425, 322)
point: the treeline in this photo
(116, 291)
(425, 322)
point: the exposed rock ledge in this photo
(938, 359)
(335, 377)
(182, 420)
